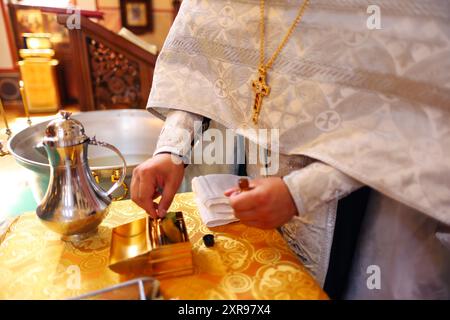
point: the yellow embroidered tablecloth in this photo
(245, 263)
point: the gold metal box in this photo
(141, 248)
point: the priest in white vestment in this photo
(360, 94)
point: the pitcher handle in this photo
(119, 182)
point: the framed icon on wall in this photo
(137, 15)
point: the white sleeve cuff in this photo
(178, 133)
(317, 184)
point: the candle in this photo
(244, 184)
(25, 101)
(5, 120)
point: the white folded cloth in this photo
(214, 206)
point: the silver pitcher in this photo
(74, 205)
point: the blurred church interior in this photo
(80, 55)
(75, 55)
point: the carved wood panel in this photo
(115, 78)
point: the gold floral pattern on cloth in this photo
(244, 263)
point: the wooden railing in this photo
(176, 7)
(111, 72)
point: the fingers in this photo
(134, 188)
(245, 215)
(246, 201)
(143, 193)
(230, 191)
(268, 205)
(167, 197)
(257, 218)
(147, 180)
(250, 207)
(146, 193)
(233, 190)
(258, 224)
(156, 194)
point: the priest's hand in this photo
(267, 205)
(158, 176)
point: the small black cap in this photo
(208, 240)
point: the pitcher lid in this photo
(64, 131)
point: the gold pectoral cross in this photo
(262, 90)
